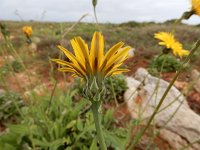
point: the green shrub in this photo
(8, 102)
(136, 24)
(115, 87)
(17, 66)
(4, 70)
(61, 124)
(164, 63)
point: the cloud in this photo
(114, 11)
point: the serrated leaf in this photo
(94, 144)
(79, 124)
(85, 130)
(40, 143)
(114, 141)
(55, 144)
(19, 129)
(71, 124)
(8, 147)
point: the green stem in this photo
(95, 107)
(97, 23)
(113, 91)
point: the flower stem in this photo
(95, 107)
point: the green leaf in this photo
(55, 144)
(94, 144)
(71, 124)
(114, 141)
(108, 117)
(85, 130)
(41, 143)
(78, 108)
(79, 124)
(19, 129)
(8, 147)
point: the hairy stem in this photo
(95, 107)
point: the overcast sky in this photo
(113, 11)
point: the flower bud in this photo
(94, 90)
(94, 3)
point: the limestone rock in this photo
(33, 47)
(10, 58)
(174, 140)
(36, 40)
(174, 114)
(131, 52)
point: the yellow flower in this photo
(168, 40)
(27, 30)
(93, 63)
(196, 7)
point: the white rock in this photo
(184, 122)
(174, 140)
(10, 58)
(36, 40)
(131, 82)
(131, 52)
(33, 47)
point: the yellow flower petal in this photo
(73, 59)
(117, 57)
(62, 62)
(168, 40)
(116, 71)
(27, 30)
(78, 52)
(196, 7)
(97, 51)
(70, 70)
(112, 51)
(84, 47)
(91, 64)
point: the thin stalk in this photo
(11, 47)
(138, 137)
(51, 98)
(95, 107)
(157, 132)
(66, 31)
(157, 84)
(95, 15)
(4, 53)
(156, 92)
(178, 21)
(113, 91)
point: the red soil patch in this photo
(193, 99)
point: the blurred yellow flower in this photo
(27, 31)
(93, 63)
(168, 40)
(196, 7)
